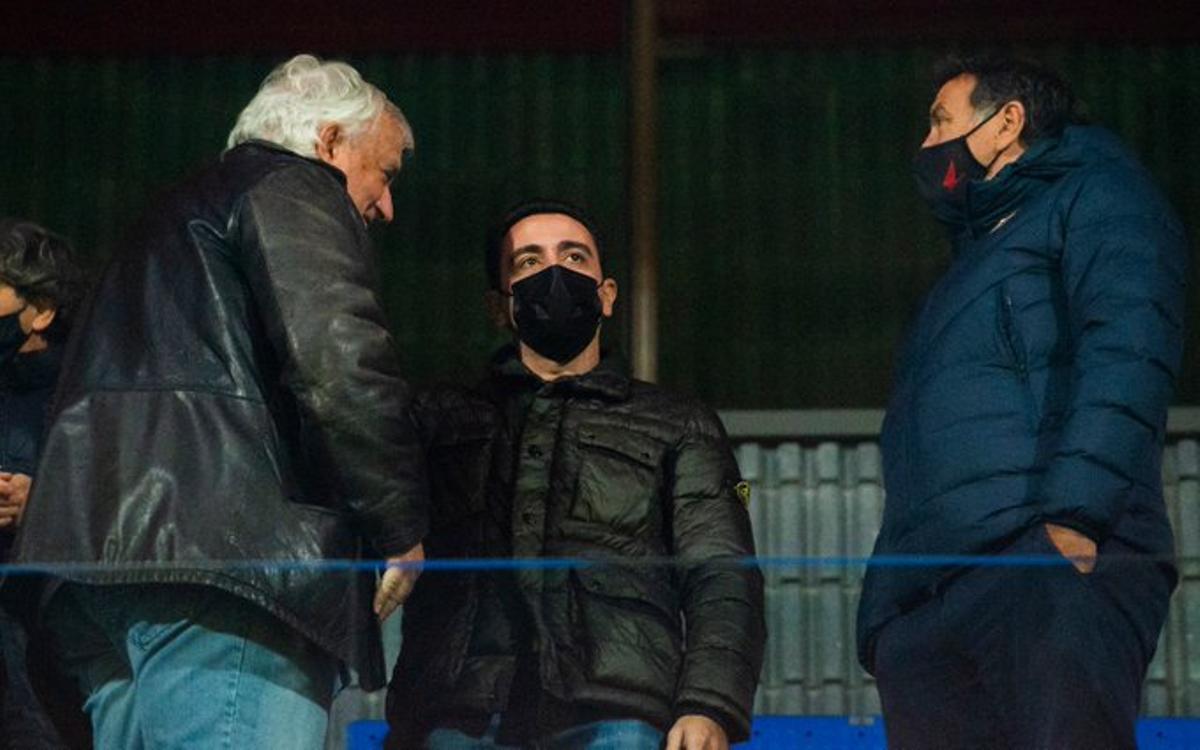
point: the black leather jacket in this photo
(231, 395)
(599, 466)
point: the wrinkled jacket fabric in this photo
(230, 395)
(604, 467)
(1035, 385)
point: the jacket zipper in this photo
(1010, 340)
(1016, 349)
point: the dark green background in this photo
(793, 247)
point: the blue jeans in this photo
(176, 666)
(625, 734)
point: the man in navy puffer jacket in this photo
(1027, 419)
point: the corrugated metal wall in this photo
(826, 501)
(793, 245)
(790, 225)
(1173, 688)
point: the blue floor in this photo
(840, 733)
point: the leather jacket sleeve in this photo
(722, 601)
(311, 267)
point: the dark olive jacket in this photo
(595, 467)
(230, 395)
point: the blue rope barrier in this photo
(572, 563)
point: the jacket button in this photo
(535, 451)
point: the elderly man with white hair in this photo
(231, 416)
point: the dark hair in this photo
(495, 242)
(40, 265)
(1048, 100)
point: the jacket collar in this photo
(990, 201)
(608, 380)
(257, 144)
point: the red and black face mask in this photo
(943, 171)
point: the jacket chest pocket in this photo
(627, 627)
(620, 473)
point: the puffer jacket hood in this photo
(1037, 170)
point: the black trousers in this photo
(24, 723)
(1026, 657)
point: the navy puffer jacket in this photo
(1035, 383)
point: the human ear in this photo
(42, 318)
(329, 137)
(608, 296)
(1012, 124)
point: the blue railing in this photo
(841, 733)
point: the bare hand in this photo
(397, 582)
(694, 732)
(1076, 547)
(14, 494)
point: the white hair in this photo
(303, 95)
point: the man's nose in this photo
(384, 205)
(931, 139)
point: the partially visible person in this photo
(559, 453)
(40, 287)
(231, 415)
(1028, 418)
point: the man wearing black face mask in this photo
(40, 285)
(559, 454)
(1027, 419)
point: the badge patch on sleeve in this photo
(743, 493)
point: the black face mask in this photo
(942, 173)
(556, 311)
(12, 337)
